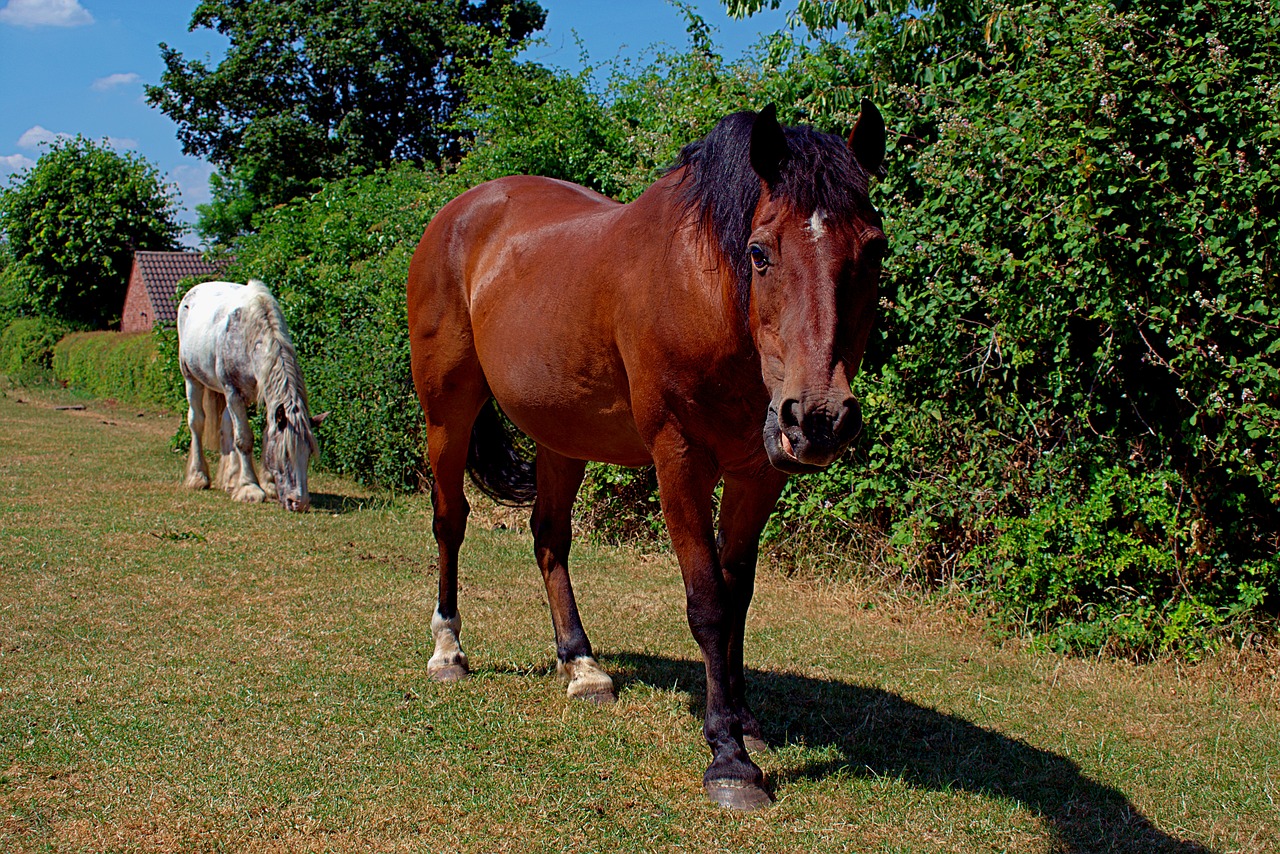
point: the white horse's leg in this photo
(228, 463)
(246, 486)
(267, 481)
(197, 476)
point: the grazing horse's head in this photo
(805, 244)
(287, 446)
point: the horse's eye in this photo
(875, 250)
(759, 258)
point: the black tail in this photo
(495, 464)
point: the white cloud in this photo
(122, 143)
(37, 136)
(10, 163)
(45, 13)
(111, 81)
(193, 184)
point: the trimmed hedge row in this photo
(123, 366)
(26, 347)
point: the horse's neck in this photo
(275, 365)
(660, 204)
(279, 379)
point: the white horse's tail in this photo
(214, 404)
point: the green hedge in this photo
(121, 366)
(1073, 393)
(26, 347)
(337, 263)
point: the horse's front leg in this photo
(242, 481)
(716, 609)
(267, 481)
(744, 510)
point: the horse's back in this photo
(513, 292)
(487, 222)
(203, 316)
(206, 301)
(504, 236)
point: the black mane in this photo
(721, 189)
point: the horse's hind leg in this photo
(558, 481)
(228, 468)
(197, 476)
(447, 441)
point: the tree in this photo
(314, 90)
(73, 221)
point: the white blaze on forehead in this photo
(816, 227)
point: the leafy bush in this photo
(72, 223)
(121, 366)
(26, 347)
(1121, 569)
(337, 263)
(1074, 379)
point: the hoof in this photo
(599, 698)
(249, 494)
(448, 673)
(199, 480)
(738, 795)
(587, 681)
(755, 744)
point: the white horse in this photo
(233, 349)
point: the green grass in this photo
(182, 673)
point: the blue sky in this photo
(79, 66)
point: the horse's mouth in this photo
(781, 452)
(296, 505)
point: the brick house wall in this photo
(138, 315)
(153, 282)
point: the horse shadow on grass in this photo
(868, 732)
(340, 505)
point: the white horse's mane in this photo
(276, 362)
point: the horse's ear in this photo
(867, 140)
(768, 145)
(282, 418)
(316, 419)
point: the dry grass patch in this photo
(179, 672)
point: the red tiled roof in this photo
(161, 272)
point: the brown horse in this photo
(710, 328)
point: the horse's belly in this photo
(601, 440)
(586, 421)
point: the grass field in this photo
(182, 673)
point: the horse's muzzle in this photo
(296, 503)
(799, 439)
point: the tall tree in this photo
(312, 90)
(73, 221)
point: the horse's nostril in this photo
(789, 413)
(849, 423)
